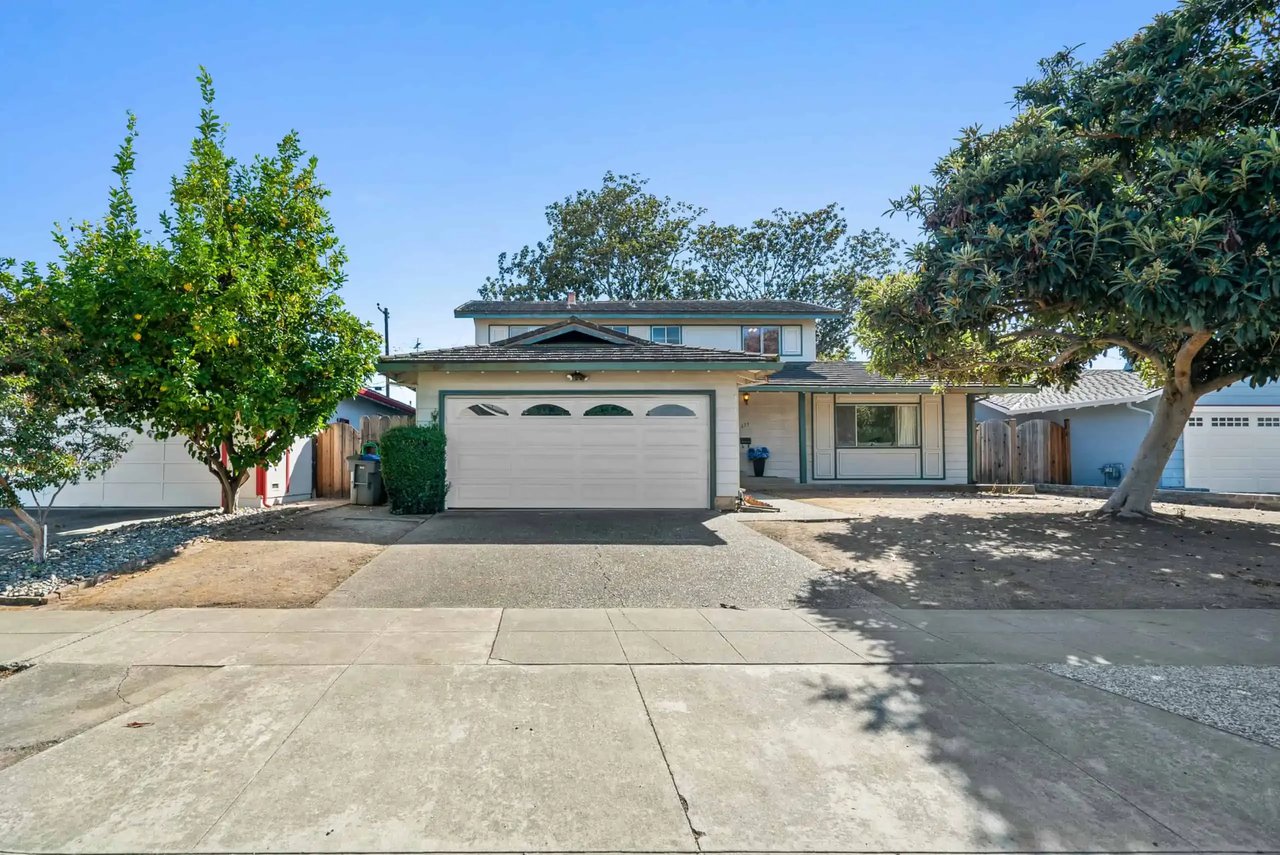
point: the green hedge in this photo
(413, 469)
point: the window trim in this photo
(897, 413)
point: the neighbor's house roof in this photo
(643, 308)
(848, 376)
(385, 401)
(1095, 388)
(575, 343)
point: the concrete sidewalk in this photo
(654, 730)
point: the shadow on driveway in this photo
(655, 528)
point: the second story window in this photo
(761, 339)
(773, 340)
(617, 328)
(666, 335)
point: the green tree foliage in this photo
(616, 243)
(413, 469)
(51, 435)
(229, 330)
(621, 242)
(1132, 203)
(809, 256)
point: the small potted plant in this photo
(758, 454)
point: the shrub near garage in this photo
(413, 469)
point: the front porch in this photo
(892, 437)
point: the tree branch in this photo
(1220, 383)
(1186, 355)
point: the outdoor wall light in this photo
(746, 398)
(576, 377)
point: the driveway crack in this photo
(662, 751)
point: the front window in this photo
(763, 340)
(666, 335)
(877, 426)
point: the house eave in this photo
(527, 365)
(880, 389)
(721, 316)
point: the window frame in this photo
(897, 415)
(666, 339)
(670, 412)
(621, 329)
(760, 328)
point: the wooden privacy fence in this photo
(373, 427)
(1034, 452)
(339, 441)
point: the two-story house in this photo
(653, 404)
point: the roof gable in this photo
(569, 332)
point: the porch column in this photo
(804, 457)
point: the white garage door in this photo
(152, 474)
(1233, 449)
(570, 451)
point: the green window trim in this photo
(670, 334)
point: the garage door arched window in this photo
(545, 410)
(608, 410)
(487, 410)
(670, 411)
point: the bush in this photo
(413, 469)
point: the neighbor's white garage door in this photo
(1233, 449)
(569, 451)
(152, 474)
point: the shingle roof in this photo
(591, 343)
(844, 374)
(1096, 387)
(621, 308)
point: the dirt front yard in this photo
(288, 563)
(966, 551)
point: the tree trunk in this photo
(230, 482)
(36, 533)
(1137, 488)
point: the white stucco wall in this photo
(772, 419)
(723, 384)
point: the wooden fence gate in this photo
(339, 441)
(334, 445)
(1034, 452)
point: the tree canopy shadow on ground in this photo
(975, 554)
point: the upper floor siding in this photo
(796, 338)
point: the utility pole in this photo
(386, 329)
(386, 343)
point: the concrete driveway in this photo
(575, 559)
(415, 730)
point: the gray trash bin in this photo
(366, 480)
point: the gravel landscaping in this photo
(1240, 699)
(79, 557)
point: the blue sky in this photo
(444, 130)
